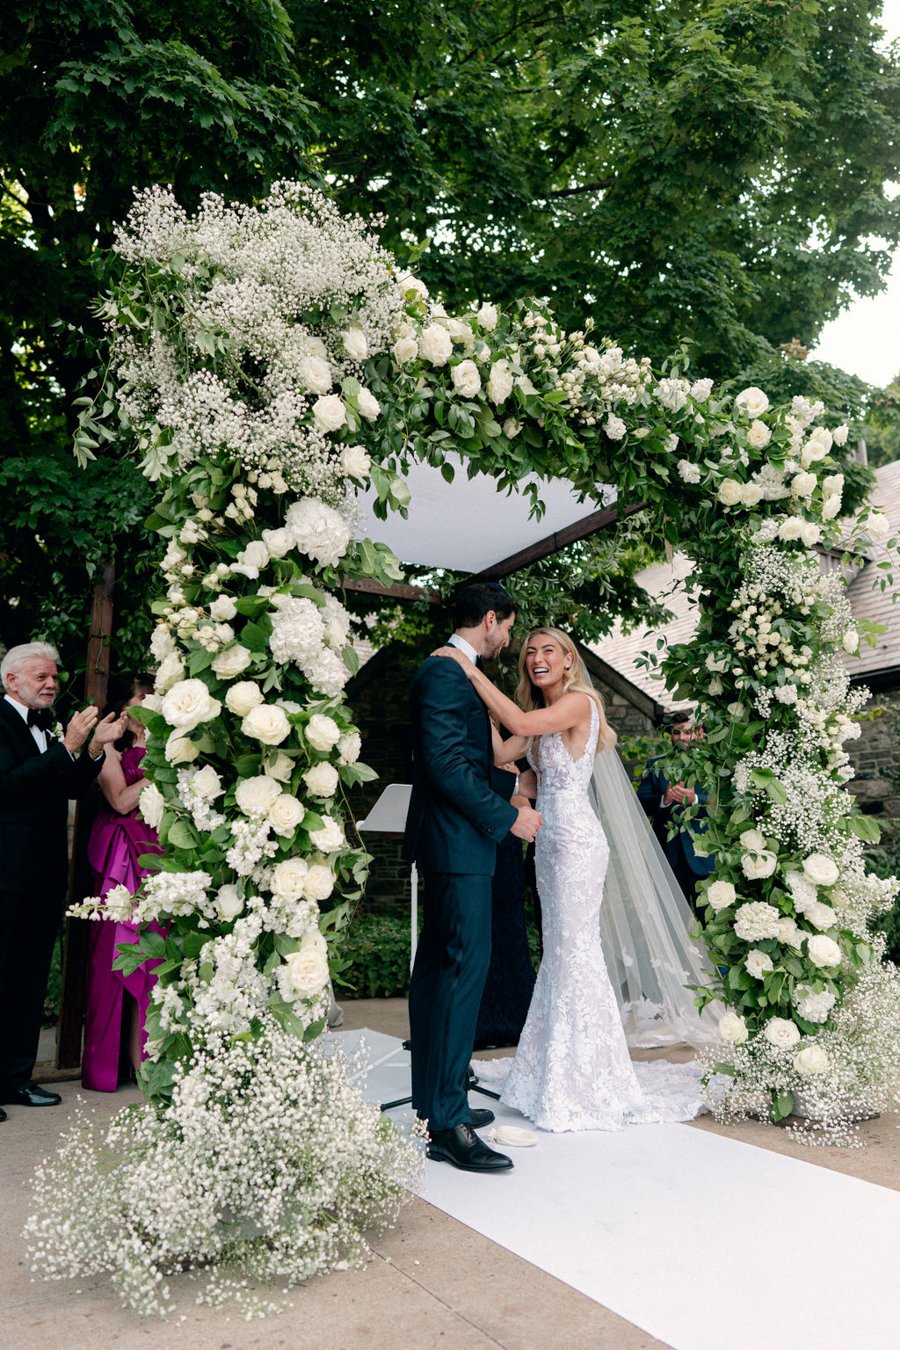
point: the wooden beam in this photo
(570, 534)
(398, 591)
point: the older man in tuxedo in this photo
(38, 775)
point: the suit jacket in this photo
(459, 808)
(34, 793)
(651, 790)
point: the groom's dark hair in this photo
(470, 604)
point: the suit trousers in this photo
(29, 923)
(445, 991)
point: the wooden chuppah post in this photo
(74, 966)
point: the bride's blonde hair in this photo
(575, 681)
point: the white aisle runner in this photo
(703, 1242)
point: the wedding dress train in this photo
(572, 1070)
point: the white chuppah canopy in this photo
(468, 525)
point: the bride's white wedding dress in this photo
(572, 1069)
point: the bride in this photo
(572, 1070)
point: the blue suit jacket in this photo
(651, 790)
(459, 809)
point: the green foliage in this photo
(373, 958)
(882, 428)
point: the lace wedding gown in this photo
(572, 1069)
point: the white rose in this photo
(206, 784)
(833, 484)
(180, 749)
(820, 869)
(266, 723)
(751, 494)
(730, 492)
(187, 704)
(487, 317)
(315, 374)
(753, 840)
(355, 462)
(229, 903)
(368, 404)
(758, 436)
(758, 963)
(752, 401)
(405, 349)
(511, 428)
(355, 344)
(251, 559)
(349, 747)
(701, 390)
(231, 661)
(162, 643)
(500, 382)
(804, 484)
(781, 1033)
(151, 804)
(243, 696)
(614, 427)
(330, 838)
(839, 435)
(831, 507)
(285, 814)
(823, 951)
(791, 528)
(278, 542)
(811, 533)
(412, 286)
(878, 525)
(461, 332)
(307, 969)
(789, 934)
(817, 447)
(850, 641)
(170, 671)
(280, 767)
(733, 1028)
(329, 412)
(322, 780)
(720, 895)
(812, 1059)
(319, 882)
(688, 472)
(288, 880)
(435, 344)
(223, 609)
(820, 916)
(466, 379)
(254, 796)
(757, 866)
(322, 732)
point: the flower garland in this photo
(266, 360)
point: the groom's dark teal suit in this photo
(456, 819)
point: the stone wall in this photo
(876, 759)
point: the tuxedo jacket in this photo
(651, 790)
(34, 794)
(459, 809)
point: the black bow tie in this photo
(40, 717)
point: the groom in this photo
(458, 813)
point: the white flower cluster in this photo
(237, 277)
(198, 790)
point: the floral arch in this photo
(262, 361)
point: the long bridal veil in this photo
(645, 922)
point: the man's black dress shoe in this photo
(479, 1116)
(462, 1147)
(29, 1094)
(2, 1114)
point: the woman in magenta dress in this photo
(117, 1003)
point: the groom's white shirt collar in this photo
(456, 641)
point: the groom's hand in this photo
(527, 823)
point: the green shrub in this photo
(373, 960)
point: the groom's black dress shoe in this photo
(479, 1116)
(3, 1115)
(462, 1147)
(29, 1094)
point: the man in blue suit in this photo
(664, 802)
(459, 811)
